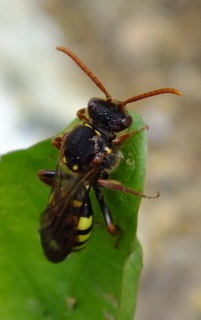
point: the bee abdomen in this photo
(84, 227)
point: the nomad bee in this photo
(88, 153)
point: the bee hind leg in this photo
(111, 228)
(116, 185)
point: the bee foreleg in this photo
(82, 115)
(120, 139)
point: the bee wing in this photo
(59, 220)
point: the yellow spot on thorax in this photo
(108, 150)
(98, 133)
(89, 126)
(64, 160)
(75, 167)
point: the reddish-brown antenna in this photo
(103, 89)
(150, 94)
(87, 71)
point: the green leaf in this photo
(99, 282)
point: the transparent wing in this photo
(59, 220)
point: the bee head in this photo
(109, 113)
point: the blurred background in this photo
(132, 47)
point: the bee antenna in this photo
(150, 94)
(87, 71)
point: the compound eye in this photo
(127, 121)
(92, 103)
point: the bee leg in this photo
(111, 228)
(46, 176)
(56, 142)
(81, 115)
(116, 185)
(120, 139)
